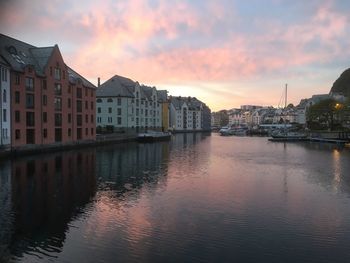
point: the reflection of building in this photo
(5, 209)
(132, 163)
(50, 102)
(47, 191)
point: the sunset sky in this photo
(226, 53)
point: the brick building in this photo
(50, 102)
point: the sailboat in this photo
(285, 134)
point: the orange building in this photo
(50, 102)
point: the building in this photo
(124, 105)
(188, 114)
(50, 102)
(5, 120)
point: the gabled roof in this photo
(116, 86)
(74, 77)
(19, 54)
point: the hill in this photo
(342, 84)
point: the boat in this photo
(153, 136)
(225, 131)
(285, 134)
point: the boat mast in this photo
(285, 98)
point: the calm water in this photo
(195, 199)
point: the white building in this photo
(5, 121)
(185, 114)
(122, 104)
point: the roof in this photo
(74, 76)
(192, 103)
(162, 95)
(19, 54)
(116, 86)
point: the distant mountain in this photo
(342, 84)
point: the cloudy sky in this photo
(226, 53)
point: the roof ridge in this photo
(17, 40)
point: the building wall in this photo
(5, 117)
(51, 123)
(165, 116)
(135, 112)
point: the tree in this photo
(322, 115)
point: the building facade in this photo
(50, 102)
(188, 114)
(5, 120)
(125, 105)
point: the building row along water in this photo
(43, 100)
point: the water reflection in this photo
(196, 198)
(46, 193)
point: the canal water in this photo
(198, 198)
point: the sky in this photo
(226, 53)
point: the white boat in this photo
(152, 136)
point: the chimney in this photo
(98, 82)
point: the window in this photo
(69, 132)
(4, 115)
(29, 84)
(137, 102)
(64, 74)
(137, 112)
(30, 119)
(119, 111)
(109, 100)
(29, 101)
(4, 74)
(17, 79)
(119, 101)
(98, 110)
(69, 118)
(58, 89)
(109, 110)
(58, 104)
(4, 95)
(86, 118)
(119, 120)
(92, 105)
(57, 74)
(79, 93)
(79, 120)
(58, 119)
(86, 105)
(86, 91)
(44, 100)
(69, 103)
(92, 118)
(45, 133)
(45, 117)
(79, 106)
(92, 131)
(44, 84)
(17, 134)
(17, 116)
(86, 131)
(98, 100)
(69, 89)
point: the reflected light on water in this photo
(336, 169)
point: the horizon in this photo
(226, 53)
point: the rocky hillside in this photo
(342, 84)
